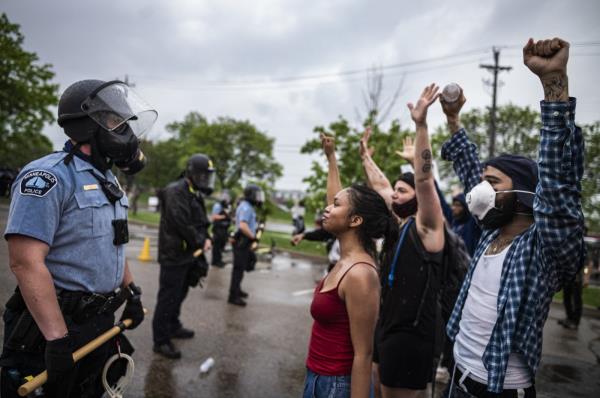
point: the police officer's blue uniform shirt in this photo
(217, 208)
(245, 212)
(64, 206)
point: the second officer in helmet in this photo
(246, 227)
(183, 240)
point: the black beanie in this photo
(522, 171)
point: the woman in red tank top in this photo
(346, 302)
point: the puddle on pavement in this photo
(560, 373)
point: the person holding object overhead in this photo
(411, 277)
(532, 241)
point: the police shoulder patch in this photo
(37, 183)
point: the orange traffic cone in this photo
(145, 253)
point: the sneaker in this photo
(237, 301)
(182, 333)
(167, 350)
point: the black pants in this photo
(241, 258)
(572, 293)
(173, 289)
(83, 381)
(219, 241)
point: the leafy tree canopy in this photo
(26, 96)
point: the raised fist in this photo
(546, 57)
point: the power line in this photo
(312, 84)
(353, 72)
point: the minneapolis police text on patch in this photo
(37, 183)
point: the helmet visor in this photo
(259, 196)
(116, 104)
(204, 181)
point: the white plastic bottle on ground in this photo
(207, 365)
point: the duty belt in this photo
(81, 306)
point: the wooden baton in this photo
(42, 378)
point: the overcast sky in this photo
(184, 55)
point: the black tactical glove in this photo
(59, 358)
(197, 271)
(133, 308)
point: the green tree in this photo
(239, 151)
(591, 176)
(384, 144)
(165, 163)
(26, 96)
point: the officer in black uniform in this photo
(221, 220)
(183, 239)
(66, 231)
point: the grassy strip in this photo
(281, 240)
(591, 296)
(147, 217)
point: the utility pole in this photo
(494, 69)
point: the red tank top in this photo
(330, 352)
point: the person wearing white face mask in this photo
(532, 241)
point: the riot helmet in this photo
(225, 198)
(254, 194)
(111, 117)
(200, 172)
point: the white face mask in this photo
(482, 198)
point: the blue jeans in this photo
(319, 386)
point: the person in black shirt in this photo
(405, 336)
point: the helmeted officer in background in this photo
(221, 220)
(183, 239)
(66, 231)
(243, 256)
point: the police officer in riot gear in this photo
(221, 220)
(66, 231)
(183, 239)
(246, 226)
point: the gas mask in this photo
(482, 204)
(123, 117)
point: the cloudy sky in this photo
(251, 60)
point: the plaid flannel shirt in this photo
(540, 259)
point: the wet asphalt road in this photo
(259, 350)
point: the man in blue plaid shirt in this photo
(532, 241)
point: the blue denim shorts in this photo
(319, 386)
